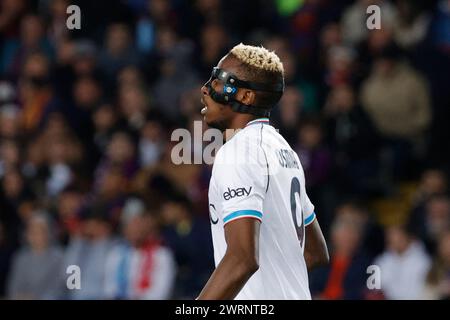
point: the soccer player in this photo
(265, 232)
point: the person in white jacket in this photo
(403, 265)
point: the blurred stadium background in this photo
(86, 117)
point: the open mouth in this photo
(205, 107)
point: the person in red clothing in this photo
(141, 267)
(345, 277)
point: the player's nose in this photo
(204, 90)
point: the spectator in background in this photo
(68, 211)
(34, 160)
(330, 36)
(58, 17)
(345, 277)
(396, 91)
(353, 139)
(354, 19)
(84, 59)
(303, 24)
(151, 143)
(63, 74)
(133, 105)
(435, 221)
(177, 75)
(370, 49)
(36, 94)
(293, 77)
(9, 121)
(6, 251)
(86, 94)
(9, 156)
(411, 24)
(89, 251)
(131, 75)
(440, 28)
(63, 154)
(437, 285)
(189, 102)
(17, 203)
(187, 236)
(392, 92)
(105, 121)
(120, 154)
(213, 46)
(157, 13)
(10, 14)
(60, 173)
(340, 67)
(32, 39)
(314, 155)
(433, 184)
(110, 193)
(330, 40)
(36, 271)
(8, 93)
(403, 265)
(290, 109)
(373, 233)
(118, 50)
(141, 267)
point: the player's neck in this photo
(237, 123)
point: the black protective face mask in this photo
(230, 85)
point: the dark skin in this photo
(241, 259)
(316, 251)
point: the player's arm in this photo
(238, 264)
(316, 251)
(244, 169)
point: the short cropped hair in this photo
(258, 57)
(260, 65)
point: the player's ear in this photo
(247, 97)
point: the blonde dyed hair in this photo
(258, 57)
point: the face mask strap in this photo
(231, 84)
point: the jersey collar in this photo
(259, 120)
(256, 121)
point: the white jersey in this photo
(256, 174)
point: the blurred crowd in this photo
(86, 117)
